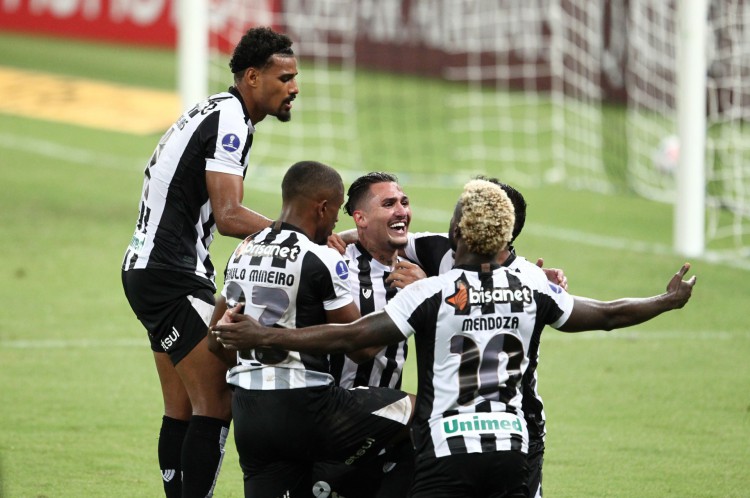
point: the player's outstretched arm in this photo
(375, 329)
(590, 314)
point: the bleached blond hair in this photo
(487, 217)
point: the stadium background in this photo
(661, 409)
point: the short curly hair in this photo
(256, 48)
(487, 217)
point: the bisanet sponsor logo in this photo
(467, 296)
(271, 250)
(499, 295)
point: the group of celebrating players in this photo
(308, 337)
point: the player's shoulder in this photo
(426, 236)
(523, 265)
(532, 276)
(324, 256)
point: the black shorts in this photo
(281, 433)
(175, 308)
(492, 475)
(536, 460)
(389, 475)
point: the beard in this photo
(398, 244)
(284, 116)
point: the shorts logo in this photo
(230, 142)
(366, 293)
(321, 489)
(342, 270)
(555, 288)
(167, 474)
(170, 340)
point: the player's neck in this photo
(465, 257)
(387, 256)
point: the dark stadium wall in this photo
(428, 35)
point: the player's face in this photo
(385, 217)
(277, 85)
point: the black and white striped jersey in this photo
(370, 293)
(286, 281)
(175, 221)
(433, 253)
(472, 331)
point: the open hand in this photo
(680, 290)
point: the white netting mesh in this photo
(576, 92)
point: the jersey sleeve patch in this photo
(342, 270)
(230, 142)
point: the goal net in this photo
(580, 93)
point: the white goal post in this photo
(690, 200)
(643, 96)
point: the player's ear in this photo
(251, 76)
(359, 218)
(322, 207)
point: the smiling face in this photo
(383, 218)
(274, 87)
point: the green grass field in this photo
(662, 409)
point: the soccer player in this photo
(433, 251)
(382, 214)
(193, 186)
(473, 327)
(288, 414)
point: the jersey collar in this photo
(233, 90)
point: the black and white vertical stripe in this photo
(285, 281)
(473, 355)
(175, 223)
(433, 253)
(370, 293)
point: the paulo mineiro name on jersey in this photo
(262, 276)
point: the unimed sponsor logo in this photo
(477, 423)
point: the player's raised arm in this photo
(590, 314)
(376, 329)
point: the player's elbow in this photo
(224, 226)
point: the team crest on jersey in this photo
(230, 142)
(342, 270)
